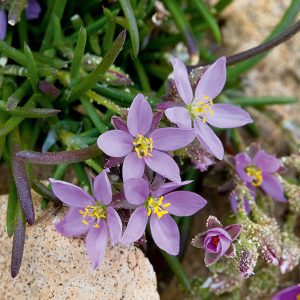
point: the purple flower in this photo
(199, 108)
(158, 205)
(33, 11)
(259, 172)
(217, 241)
(140, 143)
(3, 24)
(89, 214)
(290, 293)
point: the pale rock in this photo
(55, 267)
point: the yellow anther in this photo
(156, 206)
(256, 173)
(201, 106)
(143, 146)
(93, 213)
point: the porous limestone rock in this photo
(55, 267)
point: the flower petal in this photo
(136, 190)
(179, 116)
(3, 24)
(102, 188)
(266, 162)
(139, 118)
(198, 240)
(136, 226)
(119, 123)
(211, 258)
(133, 167)
(184, 203)
(213, 80)
(169, 187)
(170, 139)
(116, 143)
(272, 186)
(207, 137)
(164, 165)
(228, 116)
(242, 160)
(114, 225)
(70, 194)
(182, 80)
(33, 10)
(231, 251)
(156, 120)
(234, 230)
(71, 225)
(113, 162)
(96, 242)
(213, 222)
(165, 233)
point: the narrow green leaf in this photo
(133, 29)
(222, 4)
(261, 101)
(287, 20)
(33, 75)
(78, 55)
(209, 18)
(92, 113)
(177, 269)
(11, 209)
(90, 80)
(13, 53)
(29, 112)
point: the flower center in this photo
(156, 206)
(256, 173)
(200, 107)
(143, 146)
(215, 240)
(93, 213)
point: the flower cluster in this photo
(142, 148)
(217, 241)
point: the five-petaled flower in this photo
(158, 205)
(142, 144)
(217, 241)
(33, 11)
(258, 171)
(89, 214)
(199, 108)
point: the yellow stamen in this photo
(156, 206)
(93, 213)
(143, 146)
(256, 173)
(201, 106)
